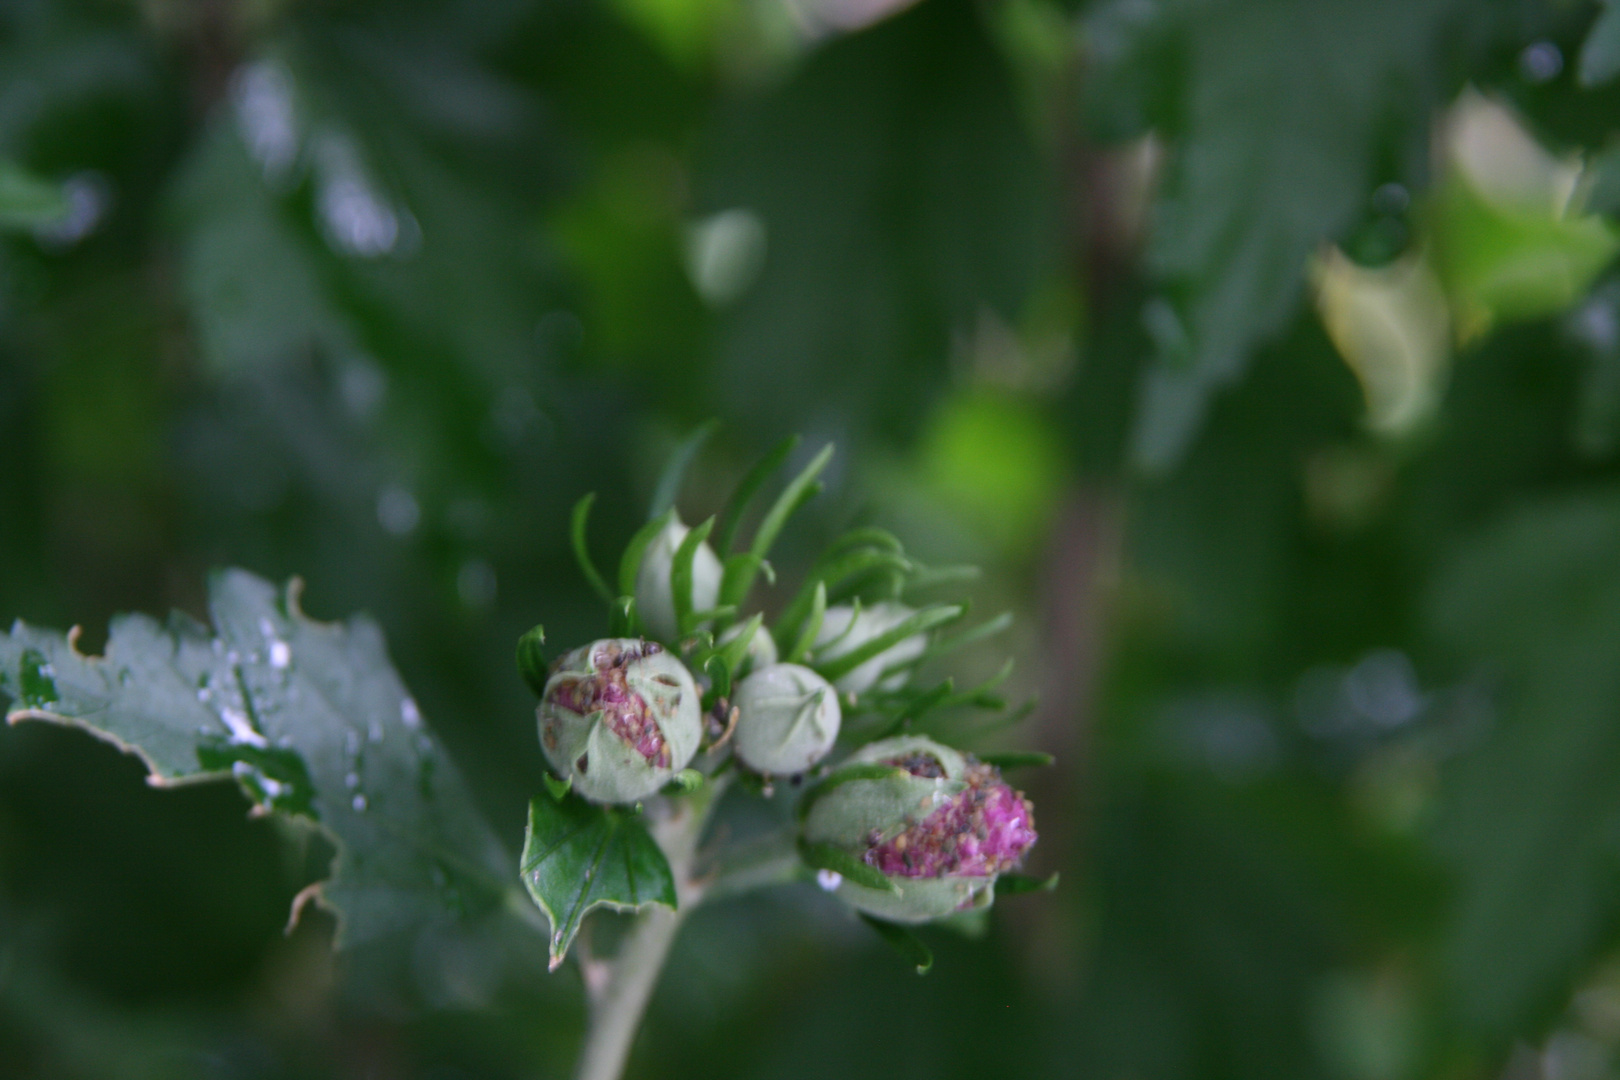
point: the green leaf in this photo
(903, 941)
(801, 489)
(1280, 111)
(680, 576)
(839, 861)
(812, 626)
(669, 484)
(1014, 884)
(731, 516)
(1526, 820)
(27, 201)
(1017, 760)
(531, 659)
(636, 550)
(582, 553)
(1600, 53)
(578, 857)
(311, 720)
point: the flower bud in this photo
(761, 647)
(787, 719)
(619, 718)
(838, 638)
(655, 594)
(940, 828)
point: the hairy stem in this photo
(618, 997)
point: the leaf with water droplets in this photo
(578, 857)
(309, 718)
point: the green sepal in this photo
(636, 550)
(812, 626)
(680, 576)
(735, 651)
(559, 788)
(719, 681)
(841, 862)
(928, 577)
(582, 555)
(903, 941)
(919, 623)
(731, 516)
(669, 483)
(623, 620)
(578, 857)
(801, 489)
(1017, 760)
(1014, 884)
(531, 659)
(837, 578)
(684, 782)
(860, 771)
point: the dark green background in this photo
(1337, 717)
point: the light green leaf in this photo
(578, 857)
(311, 720)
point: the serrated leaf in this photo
(312, 721)
(578, 857)
(1284, 110)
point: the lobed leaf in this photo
(578, 857)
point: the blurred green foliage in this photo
(372, 292)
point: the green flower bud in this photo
(655, 595)
(787, 719)
(838, 636)
(940, 827)
(761, 647)
(619, 718)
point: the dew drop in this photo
(280, 654)
(359, 804)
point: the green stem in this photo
(618, 996)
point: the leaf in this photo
(311, 720)
(1527, 820)
(1284, 111)
(669, 484)
(582, 552)
(578, 857)
(902, 941)
(1600, 53)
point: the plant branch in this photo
(619, 989)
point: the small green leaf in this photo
(1017, 760)
(578, 857)
(669, 484)
(920, 623)
(839, 861)
(812, 626)
(531, 659)
(684, 782)
(904, 942)
(559, 788)
(801, 489)
(623, 621)
(582, 512)
(630, 564)
(680, 576)
(731, 516)
(1015, 884)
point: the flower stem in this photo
(619, 998)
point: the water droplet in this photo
(242, 730)
(359, 804)
(829, 880)
(280, 654)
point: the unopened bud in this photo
(939, 828)
(843, 630)
(787, 719)
(619, 718)
(655, 594)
